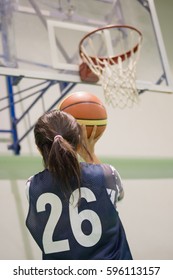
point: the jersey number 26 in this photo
(76, 219)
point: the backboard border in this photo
(51, 25)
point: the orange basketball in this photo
(87, 109)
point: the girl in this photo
(72, 205)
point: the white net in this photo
(117, 76)
(119, 84)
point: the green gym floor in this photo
(146, 210)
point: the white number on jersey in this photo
(76, 219)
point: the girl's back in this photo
(66, 227)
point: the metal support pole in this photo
(161, 46)
(7, 28)
(15, 145)
(64, 90)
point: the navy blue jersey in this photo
(65, 227)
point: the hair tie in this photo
(58, 136)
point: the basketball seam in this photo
(81, 102)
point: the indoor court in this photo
(39, 65)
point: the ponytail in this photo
(63, 163)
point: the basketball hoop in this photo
(109, 55)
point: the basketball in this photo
(87, 109)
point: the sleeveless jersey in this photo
(66, 228)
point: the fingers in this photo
(93, 133)
(84, 131)
(98, 137)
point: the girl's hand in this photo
(87, 147)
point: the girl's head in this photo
(57, 136)
(55, 123)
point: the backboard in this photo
(40, 39)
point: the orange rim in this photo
(114, 59)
